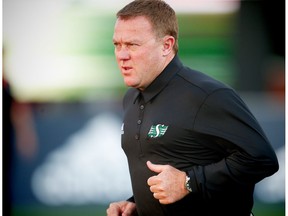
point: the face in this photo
(138, 52)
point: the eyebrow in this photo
(132, 41)
(126, 42)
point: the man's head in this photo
(158, 12)
(145, 40)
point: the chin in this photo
(130, 84)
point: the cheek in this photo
(139, 61)
(117, 59)
(146, 60)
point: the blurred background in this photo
(62, 94)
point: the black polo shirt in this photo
(190, 121)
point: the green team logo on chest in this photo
(157, 130)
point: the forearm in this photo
(235, 171)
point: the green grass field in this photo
(260, 209)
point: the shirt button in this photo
(137, 137)
(139, 122)
(142, 107)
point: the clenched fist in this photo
(168, 186)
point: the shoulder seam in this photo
(205, 99)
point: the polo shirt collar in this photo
(162, 80)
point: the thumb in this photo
(154, 167)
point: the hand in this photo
(169, 185)
(123, 208)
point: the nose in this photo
(122, 53)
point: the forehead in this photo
(132, 28)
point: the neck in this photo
(166, 61)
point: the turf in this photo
(260, 209)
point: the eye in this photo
(132, 46)
(117, 45)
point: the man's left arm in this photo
(224, 115)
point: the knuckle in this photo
(148, 181)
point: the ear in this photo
(168, 43)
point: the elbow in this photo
(274, 167)
(270, 165)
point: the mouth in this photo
(126, 68)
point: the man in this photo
(192, 145)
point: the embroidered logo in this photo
(157, 130)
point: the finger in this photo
(113, 210)
(159, 196)
(154, 167)
(154, 189)
(156, 196)
(153, 181)
(129, 210)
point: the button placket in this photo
(140, 120)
